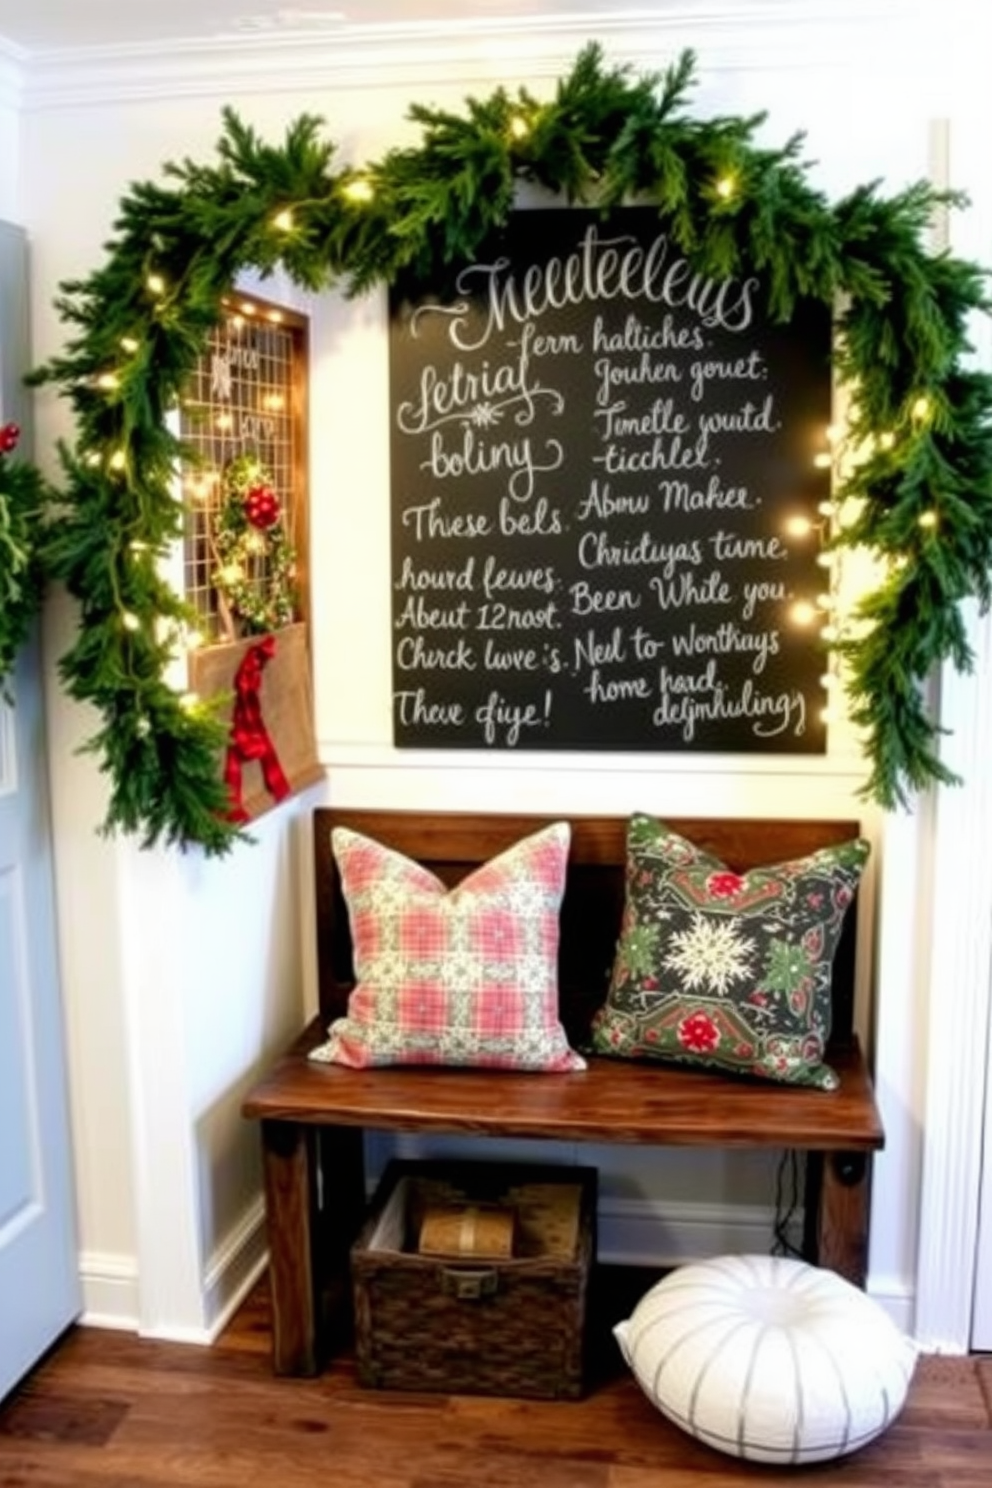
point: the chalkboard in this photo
(606, 471)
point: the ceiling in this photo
(37, 26)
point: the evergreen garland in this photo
(921, 486)
(22, 500)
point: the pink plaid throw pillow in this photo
(466, 976)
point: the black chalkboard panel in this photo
(601, 468)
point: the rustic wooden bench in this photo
(313, 1115)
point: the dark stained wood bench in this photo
(313, 1115)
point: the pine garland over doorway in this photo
(915, 488)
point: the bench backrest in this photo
(452, 844)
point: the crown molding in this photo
(12, 75)
(778, 34)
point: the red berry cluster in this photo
(262, 506)
(9, 435)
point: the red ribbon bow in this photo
(249, 738)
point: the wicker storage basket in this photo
(512, 1326)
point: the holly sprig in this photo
(921, 418)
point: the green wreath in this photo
(21, 513)
(921, 419)
(256, 562)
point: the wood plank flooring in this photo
(108, 1410)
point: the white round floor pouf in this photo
(768, 1358)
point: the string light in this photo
(137, 546)
(247, 308)
(927, 519)
(225, 421)
(283, 221)
(130, 621)
(276, 317)
(155, 284)
(273, 402)
(803, 613)
(519, 127)
(920, 408)
(886, 440)
(188, 701)
(93, 459)
(108, 381)
(823, 460)
(726, 187)
(826, 508)
(359, 190)
(798, 526)
(118, 460)
(129, 343)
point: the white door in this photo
(39, 1276)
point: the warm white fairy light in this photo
(276, 317)
(107, 381)
(920, 408)
(118, 460)
(274, 402)
(224, 421)
(823, 460)
(130, 343)
(927, 519)
(189, 700)
(155, 284)
(726, 187)
(803, 613)
(359, 190)
(283, 221)
(93, 459)
(519, 127)
(130, 621)
(798, 526)
(826, 508)
(232, 573)
(138, 547)
(247, 308)
(887, 440)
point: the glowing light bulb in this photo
(130, 621)
(798, 526)
(137, 546)
(928, 519)
(93, 459)
(118, 460)
(274, 402)
(359, 190)
(826, 509)
(225, 421)
(231, 573)
(155, 284)
(886, 440)
(247, 308)
(128, 343)
(519, 127)
(920, 408)
(823, 460)
(108, 381)
(276, 317)
(283, 220)
(802, 612)
(726, 187)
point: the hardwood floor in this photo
(108, 1410)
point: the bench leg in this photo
(289, 1193)
(838, 1192)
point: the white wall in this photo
(182, 977)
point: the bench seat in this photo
(312, 1115)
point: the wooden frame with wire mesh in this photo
(247, 396)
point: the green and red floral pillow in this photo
(461, 976)
(727, 970)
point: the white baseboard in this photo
(110, 1290)
(234, 1268)
(648, 1232)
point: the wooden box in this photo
(511, 1325)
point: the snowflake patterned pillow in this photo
(461, 976)
(727, 970)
